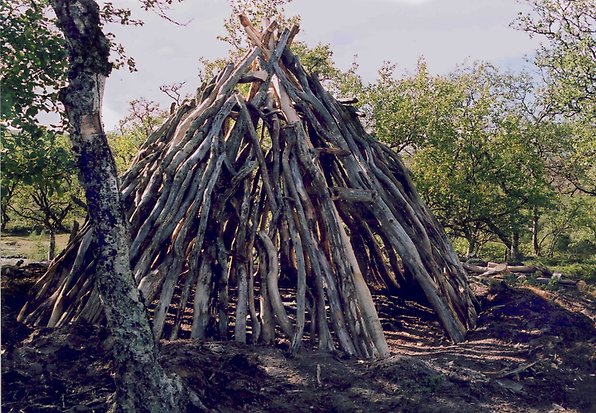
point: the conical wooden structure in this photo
(239, 193)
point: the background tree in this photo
(33, 65)
(317, 59)
(41, 168)
(569, 229)
(32, 70)
(568, 64)
(466, 142)
(144, 116)
(403, 111)
(38, 174)
(567, 59)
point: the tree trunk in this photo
(5, 219)
(472, 245)
(535, 231)
(6, 193)
(74, 231)
(52, 246)
(515, 255)
(142, 385)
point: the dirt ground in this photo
(532, 351)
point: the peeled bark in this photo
(278, 195)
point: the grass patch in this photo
(571, 267)
(585, 271)
(33, 247)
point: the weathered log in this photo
(560, 281)
(494, 268)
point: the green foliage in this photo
(124, 146)
(34, 59)
(39, 169)
(31, 157)
(144, 117)
(259, 12)
(492, 251)
(33, 66)
(349, 84)
(403, 111)
(569, 27)
(40, 248)
(571, 267)
(585, 271)
(569, 229)
(317, 60)
(468, 146)
(568, 64)
(573, 157)
(434, 383)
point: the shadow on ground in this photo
(531, 352)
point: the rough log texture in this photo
(258, 186)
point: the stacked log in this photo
(268, 179)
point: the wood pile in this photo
(264, 180)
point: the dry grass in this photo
(32, 247)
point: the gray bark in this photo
(52, 245)
(515, 253)
(142, 385)
(535, 232)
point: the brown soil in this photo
(532, 352)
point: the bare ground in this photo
(533, 351)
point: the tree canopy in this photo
(490, 150)
(33, 66)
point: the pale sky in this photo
(445, 32)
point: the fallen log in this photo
(493, 268)
(560, 281)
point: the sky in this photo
(446, 33)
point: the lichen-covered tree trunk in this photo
(142, 385)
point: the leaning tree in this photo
(264, 208)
